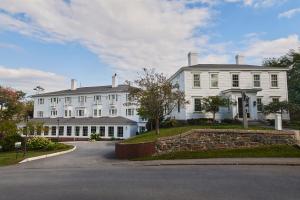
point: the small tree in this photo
(281, 107)
(155, 96)
(212, 104)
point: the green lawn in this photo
(9, 158)
(164, 132)
(258, 152)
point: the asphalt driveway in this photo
(92, 172)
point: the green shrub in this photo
(230, 121)
(8, 142)
(200, 121)
(38, 143)
(95, 136)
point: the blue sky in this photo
(49, 42)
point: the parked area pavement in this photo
(92, 172)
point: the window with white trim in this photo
(214, 80)
(259, 104)
(40, 114)
(274, 80)
(120, 131)
(40, 101)
(82, 99)
(54, 100)
(69, 130)
(235, 80)
(196, 79)
(97, 99)
(53, 113)
(111, 131)
(113, 111)
(80, 113)
(275, 99)
(129, 112)
(102, 131)
(256, 80)
(67, 100)
(197, 105)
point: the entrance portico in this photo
(235, 95)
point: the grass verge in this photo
(165, 132)
(9, 158)
(273, 151)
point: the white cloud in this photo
(26, 79)
(260, 49)
(257, 3)
(127, 36)
(290, 13)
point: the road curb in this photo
(224, 164)
(48, 155)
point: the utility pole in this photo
(245, 117)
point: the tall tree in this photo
(281, 107)
(291, 60)
(155, 96)
(212, 104)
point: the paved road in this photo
(91, 172)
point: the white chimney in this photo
(239, 59)
(114, 81)
(192, 58)
(73, 84)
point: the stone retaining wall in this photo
(206, 139)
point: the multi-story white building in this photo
(261, 84)
(78, 112)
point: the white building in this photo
(77, 112)
(261, 84)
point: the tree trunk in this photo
(214, 117)
(157, 126)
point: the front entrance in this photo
(240, 108)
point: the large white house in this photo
(261, 84)
(77, 112)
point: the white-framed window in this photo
(120, 131)
(80, 113)
(66, 113)
(214, 80)
(70, 113)
(40, 113)
(53, 113)
(111, 131)
(259, 104)
(196, 80)
(69, 130)
(235, 80)
(82, 99)
(275, 99)
(256, 80)
(129, 112)
(93, 129)
(68, 100)
(128, 98)
(40, 101)
(54, 100)
(274, 80)
(97, 112)
(97, 98)
(113, 97)
(197, 105)
(113, 111)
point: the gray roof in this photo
(87, 90)
(86, 121)
(228, 67)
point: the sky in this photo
(47, 43)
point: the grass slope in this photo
(258, 152)
(164, 132)
(9, 158)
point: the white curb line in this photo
(47, 155)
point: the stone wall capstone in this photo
(209, 139)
